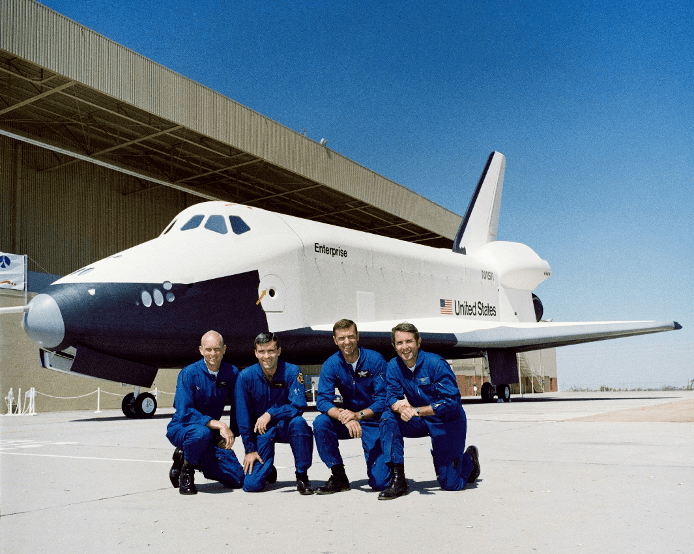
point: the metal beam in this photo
(115, 147)
(37, 97)
(107, 165)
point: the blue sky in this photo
(591, 102)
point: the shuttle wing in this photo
(448, 337)
(533, 336)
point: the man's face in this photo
(407, 347)
(347, 341)
(267, 354)
(212, 350)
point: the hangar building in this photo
(101, 147)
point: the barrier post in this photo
(10, 401)
(98, 400)
(31, 410)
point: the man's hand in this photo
(407, 413)
(346, 416)
(227, 436)
(262, 423)
(404, 409)
(354, 428)
(400, 404)
(249, 460)
(227, 440)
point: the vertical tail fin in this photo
(481, 222)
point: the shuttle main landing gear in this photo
(489, 391)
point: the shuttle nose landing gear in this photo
(138, 405)
(489, 391)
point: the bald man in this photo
(202, 440)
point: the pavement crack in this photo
(82, 502)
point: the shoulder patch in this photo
(300, 378)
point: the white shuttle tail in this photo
(481, 222)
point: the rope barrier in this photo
(67, 397)
(15, 408)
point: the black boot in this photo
(338, 481)
(175, 471)
(187, 484)
(475, 455)
(398, 484)
(303, 485)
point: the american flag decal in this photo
(446, 307)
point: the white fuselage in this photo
(313, 273)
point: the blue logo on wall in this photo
(4, 262)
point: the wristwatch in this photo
(362, 415)
(417, 410)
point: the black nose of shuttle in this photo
(43, 322)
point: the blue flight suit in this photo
(285, 400)
(431, 383)
(360, 389)
(200, 398)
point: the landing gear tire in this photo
(487, 394)
(128, 406)
(503, 392)
(145, 405)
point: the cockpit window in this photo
(216, 223)
(238, 225)
(193, 222)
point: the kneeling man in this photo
(201, 438)
(359, 375)
(270, 401)
(424, 399)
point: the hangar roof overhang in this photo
(69, 88)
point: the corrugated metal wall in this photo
(70, 217)
(43, 36)
(8, 205)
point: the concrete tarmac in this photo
(567, 472)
